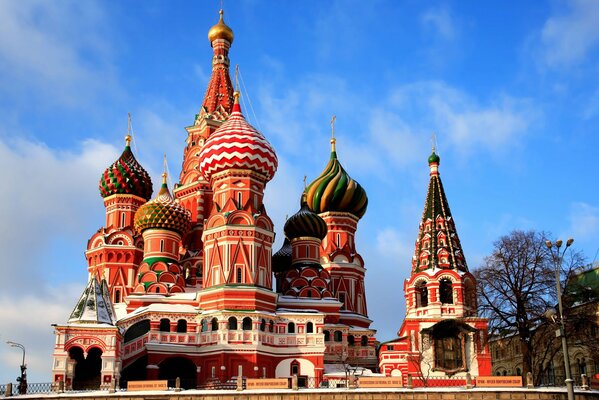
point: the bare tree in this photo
(516, 288)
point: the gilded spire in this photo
(333, 140)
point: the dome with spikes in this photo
(335, 190)
(305, 223)
(126, 176)
(163, 212)
(237, 145)
(220, 31)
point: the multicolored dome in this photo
(163, 212)
(220, 31)
(305, 223)
(126, 176)
(335, 190)
(237, 145)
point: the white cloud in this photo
(441, 21)
(568, 38)
(27, 321)
(56, 51)
(48, 198)
(584, 221)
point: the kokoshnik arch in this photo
(181, 285)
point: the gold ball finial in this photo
(164, 175)
(236, 95)
(128, 140)
(220, 30)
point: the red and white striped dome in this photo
(237, 145)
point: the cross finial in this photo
(434, 141)
(333, 140)
(237, 78)
(305, 178)
(164, 174)
(128, 137)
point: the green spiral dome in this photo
(305, 223)
(335, 190)
(163, 212)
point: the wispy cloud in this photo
(584, 221)
(568, 38)
(55, 52)
(440, 21)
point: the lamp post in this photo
(23, 378)
(558, 257)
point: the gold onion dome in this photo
(220, 31)
(305, 223)
(163, 212)
(335, 190)
(126, 176)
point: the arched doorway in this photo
(179, 367)
(87, 369)
(136, 371)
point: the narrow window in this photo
(255, 201)
(246, 324)
(122, 220)
(446, 291)
(182, 326)
(271, 327)
(327, 336)
(342, 300)
(338, 336)
(263, 325)
(291, 327)
(309, 327)
(165, 325)
(364, 340)
(214, 325)
(232, 323)
(351, 340)
(117, 296)
(239, 205)
(238, 275)
(338, 240)
(161, 246)
(421, 294)
(204, 325)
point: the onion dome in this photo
(126, 176)
(237, 145)
(434, 158)
(335, 190)
(281, 260)
(305, 223)
(163, 212)
(220, 31)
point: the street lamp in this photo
(23, 378)
(557, 259)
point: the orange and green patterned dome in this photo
(163, 212)
(305, 223)
(335, 190)
(126, 176)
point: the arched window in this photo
(421, 294)
(204, 325)
(232, 323)
(338, 336)
(263, 325)
(214, 324)
(446, 291)
(364, 340)
(181, 326)
(351, 340)
(309, 327)
(136, 330)
(246, 324)
(271, 327)
(295, 368)
(117, 296)
(469, 294)
(291, 327)
(238, 275)
(327, 336)
(165, 325)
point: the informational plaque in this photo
(499, 381)
(379, 382)
(271, 383)
(133, 386)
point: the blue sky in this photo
(510, 88)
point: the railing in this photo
(50, 387)
(434, 381)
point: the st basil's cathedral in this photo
(186, 284)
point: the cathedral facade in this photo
(185, 284)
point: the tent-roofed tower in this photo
(193, 191)
(441, 334)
